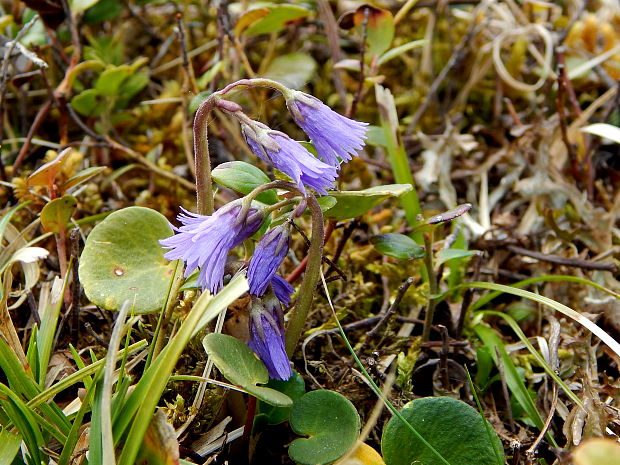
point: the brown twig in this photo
(188, 69)
(390, 311)
(558, 260)
(74, 239)
(531, 452)
(559, 101)
(432, 283)
(468, 296)
(443, 357)
(326, 260)
(4, 77)
(512, 112)
(458, 55)
(296, 273)
(60, 92)
(360, 79)
(38, 120)
(150, 165)
(333, 42)
(346, 234)
(570, 92)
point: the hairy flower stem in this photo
(255, 82)
(432, 283)
(299, 313)
(202, 162)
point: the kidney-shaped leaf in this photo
(331, 422)
(453, 428)
(294, 387)
(242, 367)
(397, 245)
(244, 178)
(350, 204)
(123, 260)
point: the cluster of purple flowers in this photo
(205, 242)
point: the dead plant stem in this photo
(432, 283)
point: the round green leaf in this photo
(331, 422)
(123, 260)
(242, 367)
(294, 387)
(244, 178)
(398, 246)
(453, 428)
(56, 214)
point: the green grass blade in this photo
(107, 439)
(375, 388)
(80, 365)
(9, 446)
(539, 358)
(490, 433)
(25, 422)
(78, 376)
(143, 400)
(542, 279)
(74, 435)
(25, 386)
(513, 379)
(49, 322)
(569, 312)
(397, 156)
(6, 218)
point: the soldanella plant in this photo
(205, 240)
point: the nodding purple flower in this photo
(334, 136)
(282, 289)
(267, 336)
(268, 256)
(205, 241)
(290, 157)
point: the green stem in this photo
(204, 184)
(432, 283)
(308, 285)
(315, 256)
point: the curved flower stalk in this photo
(267, 336)
(289, 156)
(205, 241)
(334, 136)
(268, 256)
